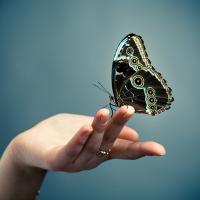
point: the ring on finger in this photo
(102, 153)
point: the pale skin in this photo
(68, 142)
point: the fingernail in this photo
(104, 116)
(131, 110)
(163, 153)
(128, 112)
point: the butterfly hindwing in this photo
(135, 81)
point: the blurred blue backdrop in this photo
(52, 51)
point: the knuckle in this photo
(83, 135)
(120, 122)
(86, 128)
(99, 128)
(91, 149)
(107, 138)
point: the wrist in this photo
(17, 176)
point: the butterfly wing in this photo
(135, 81)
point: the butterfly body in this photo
(135, 82)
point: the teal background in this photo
(52, 51)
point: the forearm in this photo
(17, 180)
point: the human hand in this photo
(58, 143)
(64, 143)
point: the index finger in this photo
(117, 122)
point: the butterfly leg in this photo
(111, 108)
(110, 105)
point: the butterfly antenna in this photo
(102, 88)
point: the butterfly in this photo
(135, 81)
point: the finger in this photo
(99, 124)
(128, 134)
(65, 155)
(124, 149)
(100, 121)
(75, 145)
(115, 126)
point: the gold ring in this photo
(102, 153)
